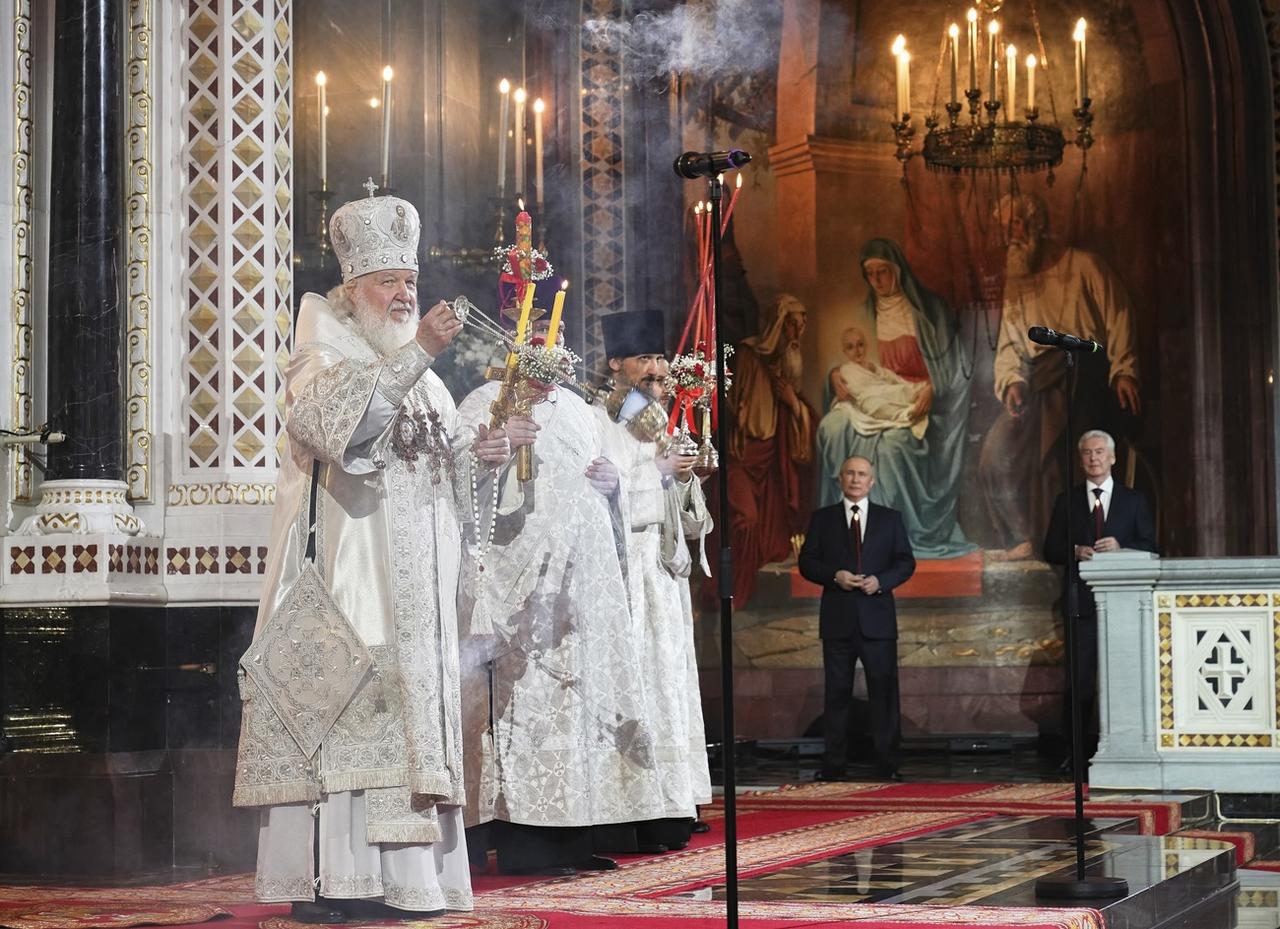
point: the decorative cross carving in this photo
(370, 186)
(1224, 671)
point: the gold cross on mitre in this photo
(370, 186)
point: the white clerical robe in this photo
(659, 517)
(388, 777)
(553, 705)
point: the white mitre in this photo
(375, 234)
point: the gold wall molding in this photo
(138, 278)
(223, 493)
(21, 478)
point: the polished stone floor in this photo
(1172, 881)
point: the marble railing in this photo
(1188, 671)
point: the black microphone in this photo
(693, 165)
(1072, 343)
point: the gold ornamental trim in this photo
(1164, 655)
(223, 493)
(21, 480)
(1224, 740)
(60, 496)
(138, 277)
(1200, 601)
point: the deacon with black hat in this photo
(664, 505)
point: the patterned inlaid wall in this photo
(238, 231)
(604, 227)
(20, 470)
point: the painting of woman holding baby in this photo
(906, 412)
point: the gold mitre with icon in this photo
(375, 234)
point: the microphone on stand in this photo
(1071, 343)
(693, 165)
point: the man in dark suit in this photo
(1105, 517)
(858, 551)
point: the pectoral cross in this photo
(370, 186)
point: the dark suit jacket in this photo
(1129, 522)
(886, 553)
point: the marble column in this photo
(86, 216)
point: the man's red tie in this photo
(855, 536)
(1098, 516)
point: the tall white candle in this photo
(1082, 64)
(993, 30)
(1011, 78)
(953, 40)
(1031, 82)
(504, 110)
(904, 61)
(519, 140)
(972, 18)
(321, 80)
(538, 107)
(899, 100)
(386, 126)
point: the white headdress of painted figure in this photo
(375, 234)
(770, 341)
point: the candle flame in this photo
(564, 285)
(538, 105)
(993, 27)
(899, 45)
(738, 183)
(697, 208)
(520, 95)
(1031, 62)
(520, 203)
(1080, 28)
(387, 73)
(953, 30)
(321, 80)
(374, 103)
(504, 86)
(1012, 52)
(972, 15)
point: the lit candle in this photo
(519, 140)
(1082, 66)
(526, 307)
(993, 30)
(972, 18)
(321, 80)
(386, 126)
(1011, 77)
(504, 88)
(557, 308)
(904, 61)
(1031, 82)
(897, 49)
(538, 107)
(953, 40)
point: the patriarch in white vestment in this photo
(377, 433)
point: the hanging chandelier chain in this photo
(1044, 60)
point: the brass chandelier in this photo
(998, 136)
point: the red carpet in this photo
(1244, 842)
(1155, 817)
(636, 896)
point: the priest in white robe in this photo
(375, 802)
(664, 506)
(553, 710)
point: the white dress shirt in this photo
(1091, 498)
(863, 507)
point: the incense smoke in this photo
(709, 39)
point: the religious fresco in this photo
(890, 309)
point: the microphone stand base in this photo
(1060, 887)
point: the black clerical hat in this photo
(634, 332)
